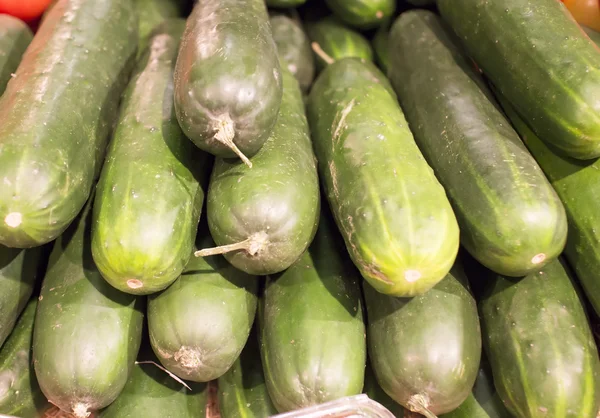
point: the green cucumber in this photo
(149, 195)
(15, 37)
(510, 217)
(394, 215)
(425, 351)
(153, 13)
(337, 41)
(362, 14)
(199, 325)
(380, 43)
(20, 394)
(227, 79)
(285, 3)
(541, 60)
(294, 50)
(376, 393)
(56, 115)
(242, 390)
(311, 327)
(539, 343)
(87, 333)
(263, 218)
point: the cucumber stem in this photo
(225, 134)
(419, 403)
(80, 410)
(322, 54)
(252, 245)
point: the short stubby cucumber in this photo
(15, 37)
(363, 14)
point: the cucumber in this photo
(311, 327)
(380, 44)
(242, 390)
(394, 215)
(539, 343)
(541, 60)
(153, 13)
(140, 243)
(510, 217)
(87, 333)
(227, 79)
(425, 351)
(337, 41)
(20, 394)
(15, 37)
(266, 216)
(285, 3)
(199, 325)
(375, 392)
(56, 115)
(294, 50)
(362, 14)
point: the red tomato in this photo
(24, 9)
(586, 12)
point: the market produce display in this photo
(165, 250)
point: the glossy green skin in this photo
(152, 13)
(18, 277)
(242, 390)
(199, 325)
(338, 41)
(312, 332)
(293, 48)
(540, 346)
(380, 44)
(141, 243)
(541, 60)
(87, 333)
(57, 113)
(374, 391)
(15, 37)
(285, 3)
(362, 14)
(20, 394)
(228, 68)
(393, 213)
(278, 196)
(509, 214)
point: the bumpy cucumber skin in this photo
(228, 71)
(56, 115)
(285, 3)
(87, 333)
(150, 195)
(362, 14)
(279, 196)
(540, 346)
(541, 60)
(510, 217)
(394, 215)
(426, 347)
(15, 37)
(199, 325)
(312, 332)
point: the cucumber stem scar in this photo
(412, 276)
(13, 219)
(80, 410)
(252, 245)
(419, 403)
(537, 259)
(225, 134)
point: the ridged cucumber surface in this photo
(15, 37)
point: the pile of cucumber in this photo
(242, 208)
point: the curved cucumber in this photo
(56, 116)
(149, 195)
(363, 14)
(153, 13)
(510, 217)
(540, 345)
(311, 327)
(394, 215)
(227, 78)
(425, 351)
(266, 216)
(199, 325)
(15, 37)
(541, 60)
(87, 333)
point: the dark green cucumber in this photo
(149, 195)
(375, 392)
(20, 394)
(227, 78)
(363, 14)
(294, 49)
(242, 390)
(87, 333)
(311, 327)
(337, 41)
(152, 13)
(541, 60)
(199, 325)
(380, 44)
(394, 215)
(266, 216)
(15, 37)
(285, 3)
(510, 217)
(56, 115)
(540, 346)
(425, 351)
